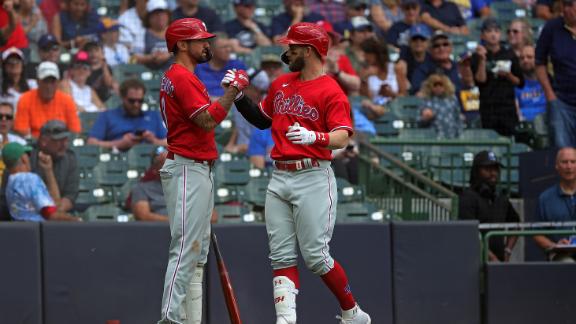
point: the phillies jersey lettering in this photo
(317, 105)
(182, 98)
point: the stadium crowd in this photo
(473, 63)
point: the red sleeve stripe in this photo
(263, 112)
(348, 128)
(201, 109)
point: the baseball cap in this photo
(270, 58)
(154, 5)
(48, 69)
(81, 58)
(12, 51)
(405, 3)
(486, 158)
(490, 23)
(420, 30)
(360, 23)
(108, 24)
(244, 2)
(440, 34)
(55, 129)
(12, 152)
(47, 41)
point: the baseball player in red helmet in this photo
(187, 178)
(310, 116)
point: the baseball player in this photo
(310, 116)
(187, 178)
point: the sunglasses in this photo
(513, 31)
(438, 45)
(6, 116)
(135, 101)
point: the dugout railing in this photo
(400, 189)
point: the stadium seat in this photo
(89, 194)
(417, 133)
(406, 108)
(87, 120)
(233, 214)
(479, 134)
(104, 213)
(139, 156)
(235, 172)
(354, 212)
(255, 191)
(226, 194)
(124, 72)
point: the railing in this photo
(403, 190)
(521, 229)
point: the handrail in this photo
(411, 171)
(487, 226)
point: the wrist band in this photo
(217, 112)
(322, 139)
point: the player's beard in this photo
(297, 64)
(205, 56)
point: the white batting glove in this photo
(228, 78)
(300, 135)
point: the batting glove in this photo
(238, 79)
(228, 78)
(300, 135)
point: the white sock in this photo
(351, 313)
(193, 300)
(285, 300)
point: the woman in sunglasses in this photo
(519, 35)
(441, 109)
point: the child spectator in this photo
(84, 96)
(115, 53)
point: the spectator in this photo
(54, 142)
(441, 109)
(530, 98)
(76, 24)
(380, 80)
(519, 35)
(156, 55)
(496, 72)
(556, 204)
(557, 45)
(445, 16)
(32, 21)
(132, 27)
(192, 9)
(48, 50)
(115, 53)
(6, 135)
(399, 33)
(147, 197)
(84, 96)
(270, 69)
(333, 11)
(385, 13)
(354, 8)
(212, 72)
(38, 106)
(440, 63)
(337, 64)
(361, 31)
(101, 78)
(27, 197)
(259, 148)
(126, 126)
(416, 53)
(471, 9)
(548, 9)
(482, 201)
(247, 32)
(14, 81)
(11, 31)
(294, 12)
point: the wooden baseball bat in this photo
(226, 283)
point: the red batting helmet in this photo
(307, 34)
(186, 29)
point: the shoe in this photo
(285, 300)
(354, 316)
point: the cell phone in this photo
(139, 132)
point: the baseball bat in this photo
(229, 296)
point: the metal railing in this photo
(521, 229)
(403, 190)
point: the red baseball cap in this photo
(186, 29)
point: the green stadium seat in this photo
(255, 191)
(139, 156)
(417, 133)
(354, 212)
(479, 134)
(104, 213)
(89, 194)
(233, 214)
(87, 120)
(350, 194)
(226, 194)
(406, 108)
(112, 173)
(235, 172)
(124, 72)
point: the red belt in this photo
(296, 165)
(210, 163)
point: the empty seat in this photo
(104, 213)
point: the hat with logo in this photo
(420, 30)
(486, 158)
(360, 23)
(55, 129)
(48, 69)
(12, 152)
(47, 41)
(108, 24)
(12, 51)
